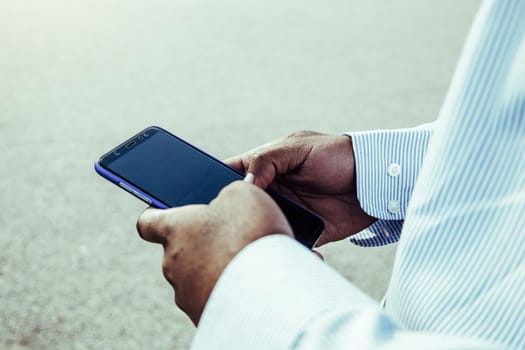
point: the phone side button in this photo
(143, 197)
(134, 192)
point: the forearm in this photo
(259, 304)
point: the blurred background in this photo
(78, 77)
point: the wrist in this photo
(348, 165)
(351, 159)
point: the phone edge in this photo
(118, 181)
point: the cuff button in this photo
(393, 206)
(394, 169)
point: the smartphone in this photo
(165, 171)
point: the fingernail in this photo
(249, 178)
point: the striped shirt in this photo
(459, 276)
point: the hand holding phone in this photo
(165, 171)
(316, 170)
(199, 241)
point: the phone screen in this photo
(172, 171)
(176, 173)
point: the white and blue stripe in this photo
(374, 151)
(459, 275)
(461, 268)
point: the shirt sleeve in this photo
(259, 304)
(387, 166)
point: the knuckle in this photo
(301, 133)
(153, 227)
(264, 163)
(142, 224)
(259, 158)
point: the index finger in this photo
(151, 226)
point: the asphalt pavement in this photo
(77, 77)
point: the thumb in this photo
(259, 169)
(267, 165)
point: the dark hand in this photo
(315, 170)
(200, 240)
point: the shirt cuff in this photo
(268, 293)
(387, 166)
(380, 233)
